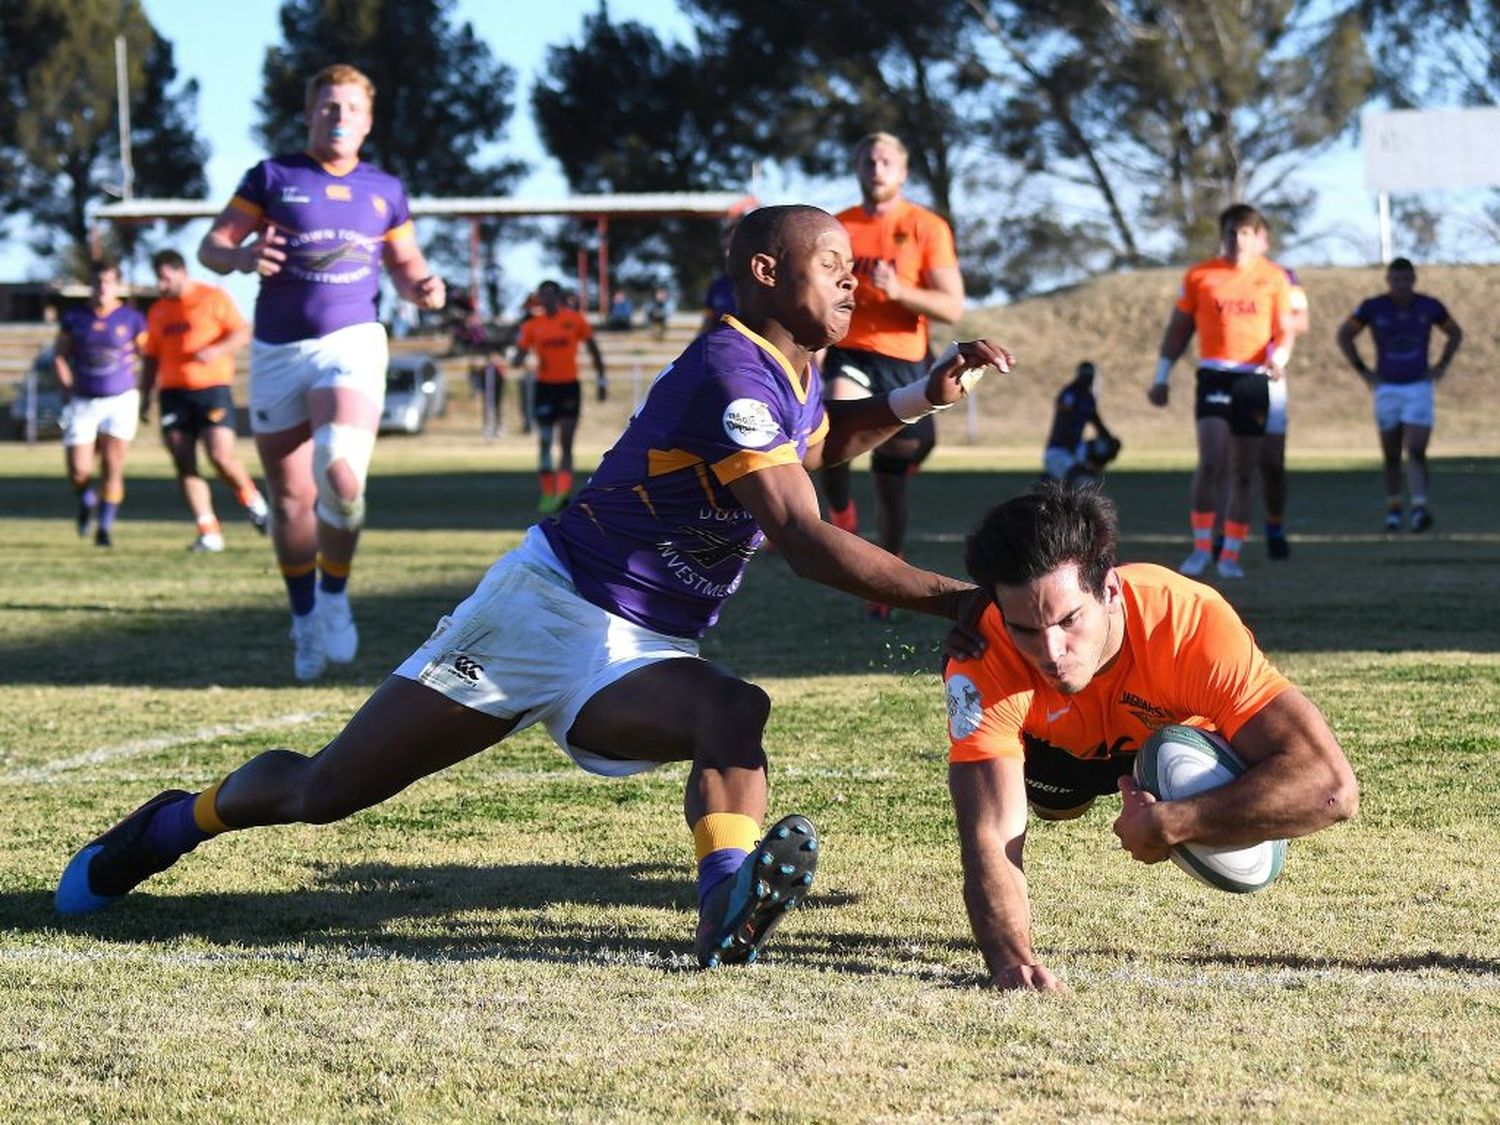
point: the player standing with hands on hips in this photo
(1402, 321)
(324, 221)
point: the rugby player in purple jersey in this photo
(324, 222)
(97, 359)
(591, 625)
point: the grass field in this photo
(511, 940)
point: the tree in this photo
(441, 98)
(660, 127)
(1091, 133)
(63, 142)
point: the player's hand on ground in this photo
(264, 256)
(1437, 373)
(1138, 826)
(1026, 978)
(965, 641)
(1157, 394)
(959, 368)
(430, 292)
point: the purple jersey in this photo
(1401, 335)
(336, 228)
(103, 352)
(656, 536)
(1075, 408)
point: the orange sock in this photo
(565, 483)
(1235, 535)
(1203, 530)
(549, 483)
(208, 525)
(249, 496)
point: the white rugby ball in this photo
(1177, 762)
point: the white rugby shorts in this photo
(1276, 412)
(1403, 404)
(525, 645)
(282, 374)
(84, 419)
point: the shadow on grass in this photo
(442, 912)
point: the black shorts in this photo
(1242, 398)
(193, 412)
(1057, 780)
(552, 402)
(880, 375)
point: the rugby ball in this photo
(1177, 762)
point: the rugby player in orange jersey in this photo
(1240, 306)
(908, 275)
(1083, 660)
(192, 333)
(554, 334)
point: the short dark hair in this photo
(1401, 264)
(1241, 215)
(766, 230)
(1031, 535)
(548, 285)
(1086, 368)
(102, 266)
(171, 259)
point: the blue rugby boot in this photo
(115, 863)
(741, 911)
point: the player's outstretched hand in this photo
(1157, 394)
(1138, 825)
(959, 368)
(1026, 978)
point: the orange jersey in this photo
(915, 241)
(1186, 658)
(555, 341)
(1235, 311)
(178, 327)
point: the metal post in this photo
(1383, 200)
(474, 262)
(603, 265)
(122, 93)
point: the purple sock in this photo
(715, 867)
(89, 497)
(107, 510)
(332, 583)
(172, 829)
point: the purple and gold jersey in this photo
(1402, 335)
(336, 228)
(656, 536)
(104, 353)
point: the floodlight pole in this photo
(1383, 201)
(122, 93)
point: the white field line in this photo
(1250, 980)
(106, 755)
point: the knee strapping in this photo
(353, 446)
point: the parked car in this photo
(38, 401)
(414, 393)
